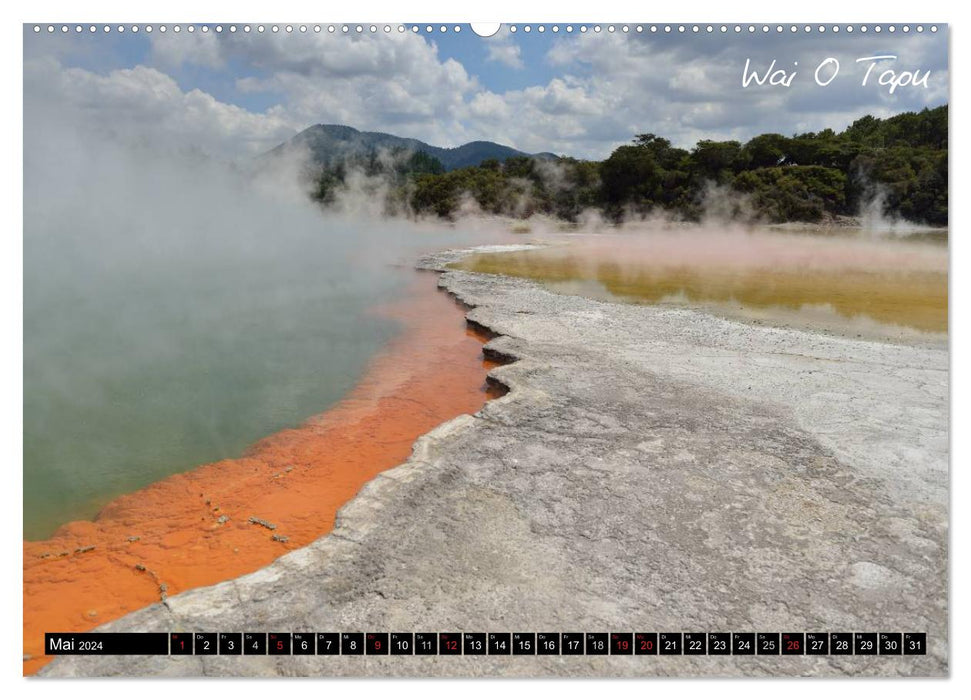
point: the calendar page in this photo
(528, 350)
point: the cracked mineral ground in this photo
(650, 468)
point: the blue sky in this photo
(127, 50)
(582, 94)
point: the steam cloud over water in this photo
(851, 283)
(176, 308)
(715, 245)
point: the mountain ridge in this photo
(331, 143)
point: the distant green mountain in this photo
(330, 144)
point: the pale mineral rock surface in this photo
(651, 469)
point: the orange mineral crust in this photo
(195, 529)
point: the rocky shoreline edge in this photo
(651, 469)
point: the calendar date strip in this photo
(488, 643)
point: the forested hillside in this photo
(899, 162)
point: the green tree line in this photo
(806, 177)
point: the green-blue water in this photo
(134, 375)
(173, 315)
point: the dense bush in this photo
(795, 192)
(902, 161)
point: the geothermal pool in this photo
(157, 347)
(852, 283)
(131, 375)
